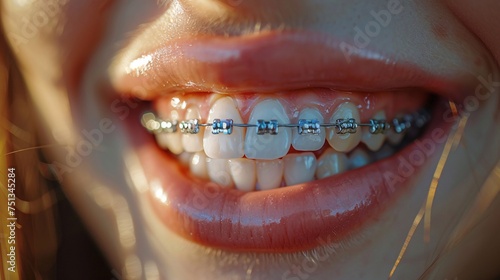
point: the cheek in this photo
(64, 31)
(481, 18)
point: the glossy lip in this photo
(275, 61)
(285, 219)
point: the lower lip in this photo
(281, 220)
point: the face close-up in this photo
(251, 139)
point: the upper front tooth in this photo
(344, 142)
(268, 146)
(224, 145)
(192, 142)
(299, 168)
(309, 142)
(373, 141)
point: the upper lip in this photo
(284, 219)
(275, 61)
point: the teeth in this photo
(384, 152)
(344, 142)
(269, 173)
(192, 142)
(358, 158)
(394, 138)
(268, 146)
(198, 165)
(185, 158)
(224, 146)
(171, 141)
(330, 163)
(299, 168)
(218, 171)
(243, 173)
(308, 142)
(373, 141)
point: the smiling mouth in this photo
(278, 153)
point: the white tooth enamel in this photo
(299, 168)
(309, 142)
(268, 146)
(223, 145)
(198, 165)
(243, 173)
(269, 173)
(373, 141)
(193, 142)
(330, 163)
(185, 158)
(218, 171)
(394, 138)
(344, 142)
(170, 141)
(358, 158)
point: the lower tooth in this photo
(198, 165)
(185, 158)
(331, 163)
(218, 171)
(384, 152)
(299, 168)
(269, 173)
(243, 173)
(358, 158)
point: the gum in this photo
(325, 100)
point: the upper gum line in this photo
(392, 104)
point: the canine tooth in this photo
(218, 171)
(373, 141)
(330, 163)
(309, 142)
(299, 168)
(224, 145)
(192, 142)
(268, 146)
(269, 173)
(198, 165)
(358, 158)
(344, 142)
(243, 173)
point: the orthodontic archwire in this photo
(156, 125)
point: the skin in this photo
(70, 82)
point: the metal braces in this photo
(400, 125)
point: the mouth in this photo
(277, 142)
